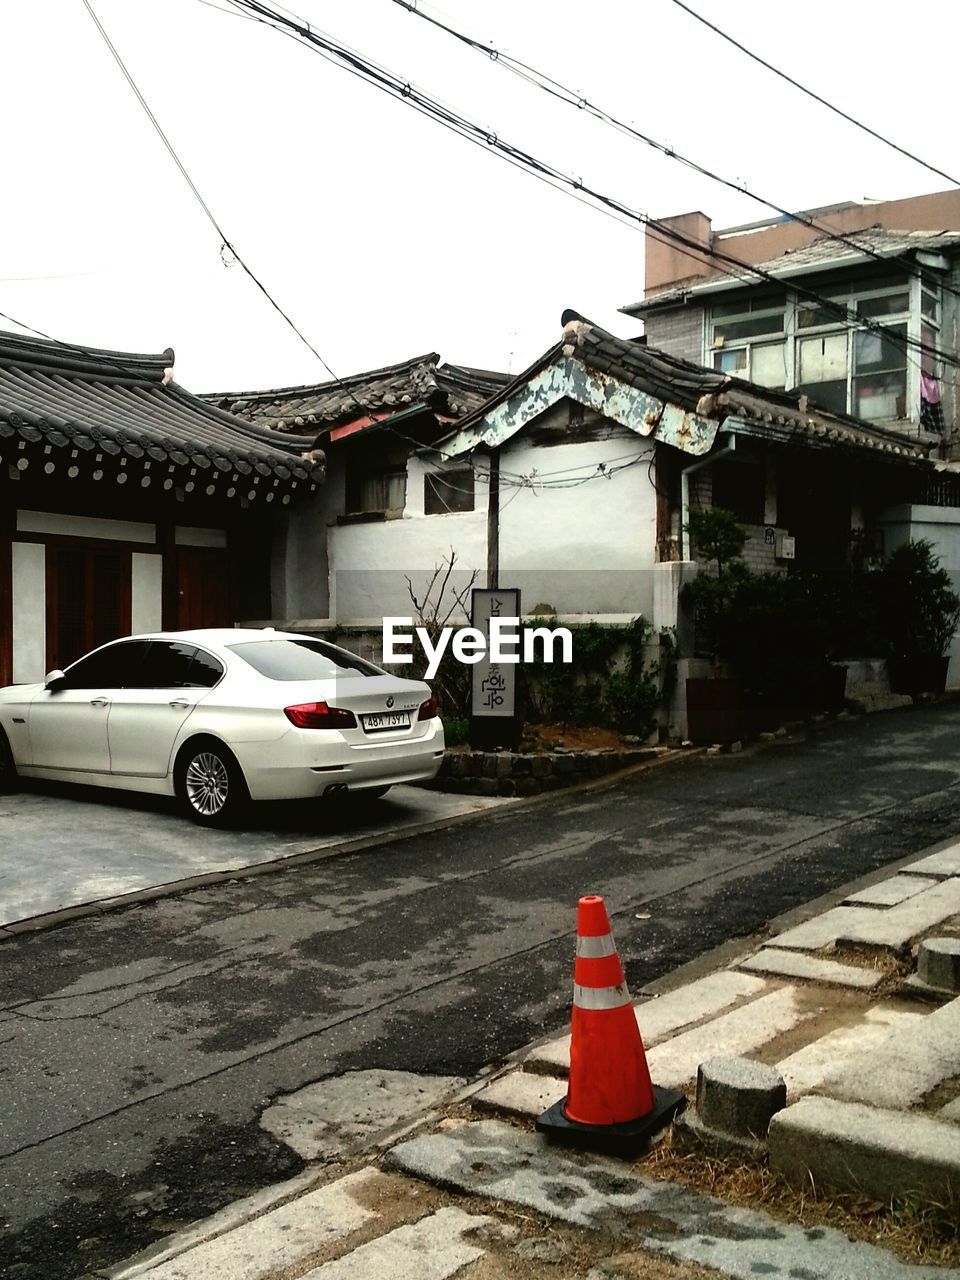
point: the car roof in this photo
(221, 637)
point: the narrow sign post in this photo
(494, 714)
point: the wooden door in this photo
(88, 600)
(203, 588)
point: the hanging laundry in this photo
(931, 408)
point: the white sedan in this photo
(219, 717)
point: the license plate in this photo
(386, 720)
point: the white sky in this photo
(381, 233)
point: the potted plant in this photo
(919, 616)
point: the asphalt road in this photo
(139, 1048)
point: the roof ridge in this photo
(331, 384)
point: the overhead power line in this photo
(399, 88)
(572, 98)
(858, 124)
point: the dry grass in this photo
(915, 1231)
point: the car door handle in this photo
(180, 703)
(99, 702)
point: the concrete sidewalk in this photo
(64, 849)
(869, 1054)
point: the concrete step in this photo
(883, 1153)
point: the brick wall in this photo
(678, 332)
(758, 556)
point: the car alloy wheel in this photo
(207, 784)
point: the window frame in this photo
(848, 293)
(450, 476)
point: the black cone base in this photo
(615, 1139)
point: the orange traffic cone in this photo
(611, 1102)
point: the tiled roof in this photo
(452, 391)
(779, 415)
(717, 395)
(119, 403)
(823, 254)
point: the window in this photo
(386, 491)
(740, 336)
(174, 665)
(739, 488)
(823, 354)
(114, 667)
(302, 660)
(448, 491)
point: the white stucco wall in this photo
(588, 549)
(146, 592)
(29, 612)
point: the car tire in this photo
(8, 767)
(374, 793)
(209, 783)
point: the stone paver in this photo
(499, 1162)
(431, 1249)
(889, 892)
(885, 1153)
(944, 863)
(521, 1093)
(661, 1017)
(674, 1063)
(892, 927)
(806, 1069)
(327, 1118)
(821, 931)
(281, 1238)
(898, 925)
(796, 964)
(900, 1070)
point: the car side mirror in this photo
(53, 680)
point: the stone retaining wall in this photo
(517, 773)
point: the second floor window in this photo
(799, 344)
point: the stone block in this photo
(486, 787)
(847, 1146)
(938, 964)
(520, 1093)
(506, 787)
(527, 787)
(542, 766)
(564, 764)
(903, 1068)
(490, 762)
(739, 1097)
(522, 767)
(504, 765)
(797, 964)
(889, 892)
(942, 864)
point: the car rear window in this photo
(301, 659)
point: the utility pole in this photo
(493, 521)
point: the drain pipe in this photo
(728, 448)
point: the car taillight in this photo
(428, 709)
(317, 715)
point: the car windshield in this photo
(285, 659)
